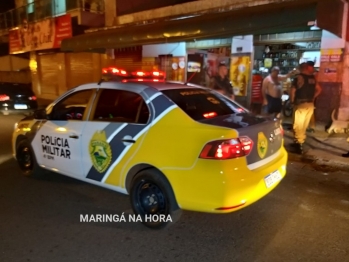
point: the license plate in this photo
(272, 178)
(19, 106)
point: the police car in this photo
(170, 146)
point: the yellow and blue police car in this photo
(170, 146)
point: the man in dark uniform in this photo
(303, 93)
(312, 123)
(222, 83)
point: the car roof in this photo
(173, 85)
(138, 87)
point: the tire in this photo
(27, 161)
(287, 109)
(151, 194)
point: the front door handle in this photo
(74, 136)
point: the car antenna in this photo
(186, 83)
(100, 81)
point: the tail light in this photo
(32, 98)
(282, 130)
(210, 115)
(227, 149)
(4, 97)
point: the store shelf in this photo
(283, 58)
(294, 50)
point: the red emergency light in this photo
(123, 75)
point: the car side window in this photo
(72, 107)
(121, 106)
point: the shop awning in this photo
(290, 16)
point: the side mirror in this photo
(40, 114)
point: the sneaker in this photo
(297, 148)
(300, 149)
(345, 155)
(310, 130)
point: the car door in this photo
(59, 139)
(117, 122)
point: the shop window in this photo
(72, 107)
(30, 6)
(59, 7)
(121, 106)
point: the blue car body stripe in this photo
(149, 91)
(110, 128)
(117, 146)
(160, 103)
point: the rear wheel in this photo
(153, 199)
(27, 161)
(288, 110)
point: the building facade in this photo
(175, 35)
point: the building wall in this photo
(19, 3)
(13, 63)
(55, 73)
(189, 8)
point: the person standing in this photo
(222, 83)
(311, 127)
(272, 92)
(304, 90)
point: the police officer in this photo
(222, 83)
(303, 93)
(311, 127)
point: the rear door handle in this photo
(128, 139)
(74, 136)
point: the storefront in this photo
(286, 51)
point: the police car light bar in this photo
(120, 74)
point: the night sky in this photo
(6, 5)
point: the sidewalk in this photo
(321, 148)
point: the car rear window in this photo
(201, 104)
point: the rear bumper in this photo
(8, 108)
(18, 111)
(224, 186)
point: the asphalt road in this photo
(306, 218)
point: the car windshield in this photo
(201, 104)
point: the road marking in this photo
(4, 158)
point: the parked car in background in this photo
(17, 98)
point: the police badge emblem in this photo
(262, 145)
(100, 151)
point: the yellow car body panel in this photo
(198, 184)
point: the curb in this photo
(320, 162)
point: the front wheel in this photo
(26, 160)
(153, 199)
